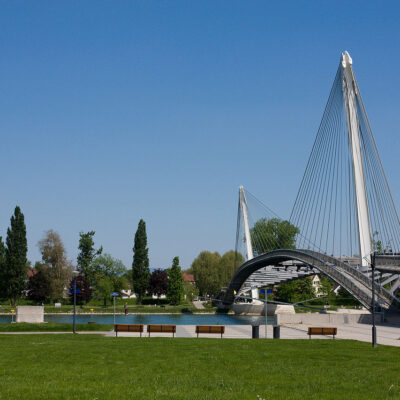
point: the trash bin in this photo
(255, 332)
(277, 332)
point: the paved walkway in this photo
(387, 335)
(198, 304)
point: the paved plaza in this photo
(387, 334)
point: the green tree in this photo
(16, 261)
(295, 290)
(175, 283)
(228, 265)
(59, 267)
(326, 286)
(107, 266)
(3, 281)
(206, 273)
(212, 272)
(103, 289)
(140, 264)
(87, 252)
(190, 290)
(271, 234)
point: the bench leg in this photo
(173, 334)
(221, 335)
(197, 334)
(116, 333)
(140, 334)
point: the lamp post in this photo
(76, 273)
(373, 300)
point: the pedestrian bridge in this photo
(350, 278)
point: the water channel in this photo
(174, 319)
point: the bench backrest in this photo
(322, 331)
(161, 328)
(210, 329)
(128, 328)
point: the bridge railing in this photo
(358, 275)
(339, 277)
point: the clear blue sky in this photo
(112, 111)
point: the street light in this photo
(373, 300)
(76, 273)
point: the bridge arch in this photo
(356, 283)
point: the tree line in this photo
(97, 274)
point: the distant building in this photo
(316, 282)
(188, 278)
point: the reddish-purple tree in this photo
(158, 283)
(85, 292)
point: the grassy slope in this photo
(132, 307)
(52, 327)
(93, 367)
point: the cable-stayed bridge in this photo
(343, 219)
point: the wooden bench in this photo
(162, 329)
(128, 328)
(322, 331)
(210, 329)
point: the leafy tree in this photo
(158, 283)
(377, 243)
(87, 252)
(326, 286)
(85, 291)
(3, 282)
(212, 272)
(103, 289)
(295, 290)
(16, 261)
(271, 234)
(228, 265)
(140, 265)
(175, 283)
(205, 269)
(39, 284)
(59, 267)
(106, 265)
(190, 290)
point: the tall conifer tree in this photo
(175, 283)
(16, 261)
(3, 283)
(140, 265)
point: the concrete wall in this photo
(33, 314)
(319, 319)
(259, 309)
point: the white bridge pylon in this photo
(247, 236)
(350, 92)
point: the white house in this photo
(316, 282)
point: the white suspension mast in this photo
(243, 207)
(350, 93)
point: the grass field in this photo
(95, 367)
(53, 327)
(150, 306)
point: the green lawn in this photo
(53, 327)
(151, 306)
(95, 367)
